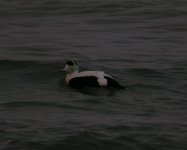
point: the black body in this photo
(91, 81)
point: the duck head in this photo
(71, 67)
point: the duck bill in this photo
(65, 68)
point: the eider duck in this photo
(76, 79)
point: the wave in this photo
(144, 86)
(147, 72)
(90, 140)
(45, 105)
(11, 65)
(25, 103)
(25, 63)
(17, 63)
(73, 7)
(31, 71)
(36, 104)
(21, 144)
(112, 137)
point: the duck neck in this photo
(70, 75)
(74, 70)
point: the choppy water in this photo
(141, 43)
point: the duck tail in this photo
(113, 83)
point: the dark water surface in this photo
(142, 43)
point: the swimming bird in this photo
(76, 79)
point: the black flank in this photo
(80, 82)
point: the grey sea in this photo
(142, 43)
